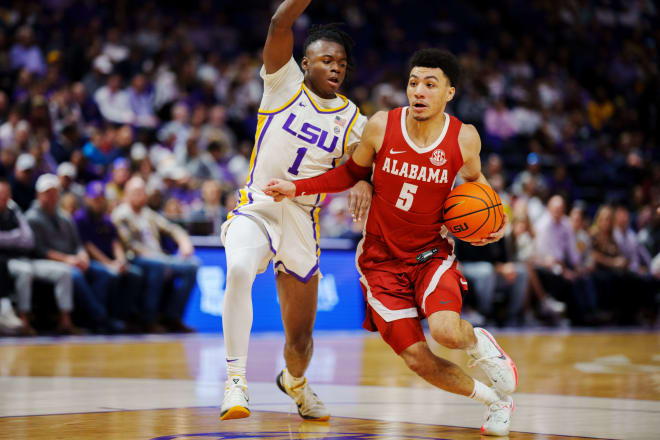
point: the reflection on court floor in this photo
(603, 385)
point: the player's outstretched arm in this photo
(470, 144)
(279, 42)
(357, 168)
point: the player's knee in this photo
(414, 358)
(239, 273)
(447, 337)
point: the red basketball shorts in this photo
(399, 295)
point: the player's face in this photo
(325, 67)
(428, 92)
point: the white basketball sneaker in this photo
(497, 365)
(235, 402)
(498, 417)
(309, 405)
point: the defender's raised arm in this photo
(279, 42)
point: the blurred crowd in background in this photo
(565, 96)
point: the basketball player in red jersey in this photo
(407, 267)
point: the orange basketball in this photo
(472, 211)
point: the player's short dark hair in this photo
(441, 58)
(331, 32)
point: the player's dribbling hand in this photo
(494, 236)
(279, 189)
(359, 199)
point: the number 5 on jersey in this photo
(406, 196)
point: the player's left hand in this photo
(494, 236)
(280, 189)
(359, 199)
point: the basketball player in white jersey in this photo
(304, 128)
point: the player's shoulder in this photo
(379, 119)
(287, 75)
(468, 136)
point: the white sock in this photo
(484, 394)
(291, 381)
(236, 366)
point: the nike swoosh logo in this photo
(445, 302)
(452, 206)
(232, 360)
(392, 151)
(464, 283)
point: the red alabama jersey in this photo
(411, 184)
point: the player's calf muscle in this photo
(437, 371)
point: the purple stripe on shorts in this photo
(270, 242)
(302, 279)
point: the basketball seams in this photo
(480, 226)
(473, 212)
(491, 202)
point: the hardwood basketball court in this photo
(572, 385)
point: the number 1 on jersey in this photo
(293, 169)
(406, 196)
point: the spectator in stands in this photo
(582, 238)
(140, 230)
(637, 256)
(16, 247)
(7, 161)
(8, 128)
(120, 173)
(101, 240)
(67, 174)
(499, 124)
(200, 165)
(114, 102)
(10, 324)
(211, 212)
(559, 265)
(141, 99)
(524, 251)
(85, 106)
(26, 54)
(176, 132)
(99, 149)
(490, 268)
(69, 204)
(639, 263)
(531, 174)
(22, 183)
(216, 130)
(56, 239)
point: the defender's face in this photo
(325, 67)
(428, 92)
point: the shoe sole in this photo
(280, 385)
(508, 358)
(235, 412)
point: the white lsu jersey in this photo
(299, 134)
